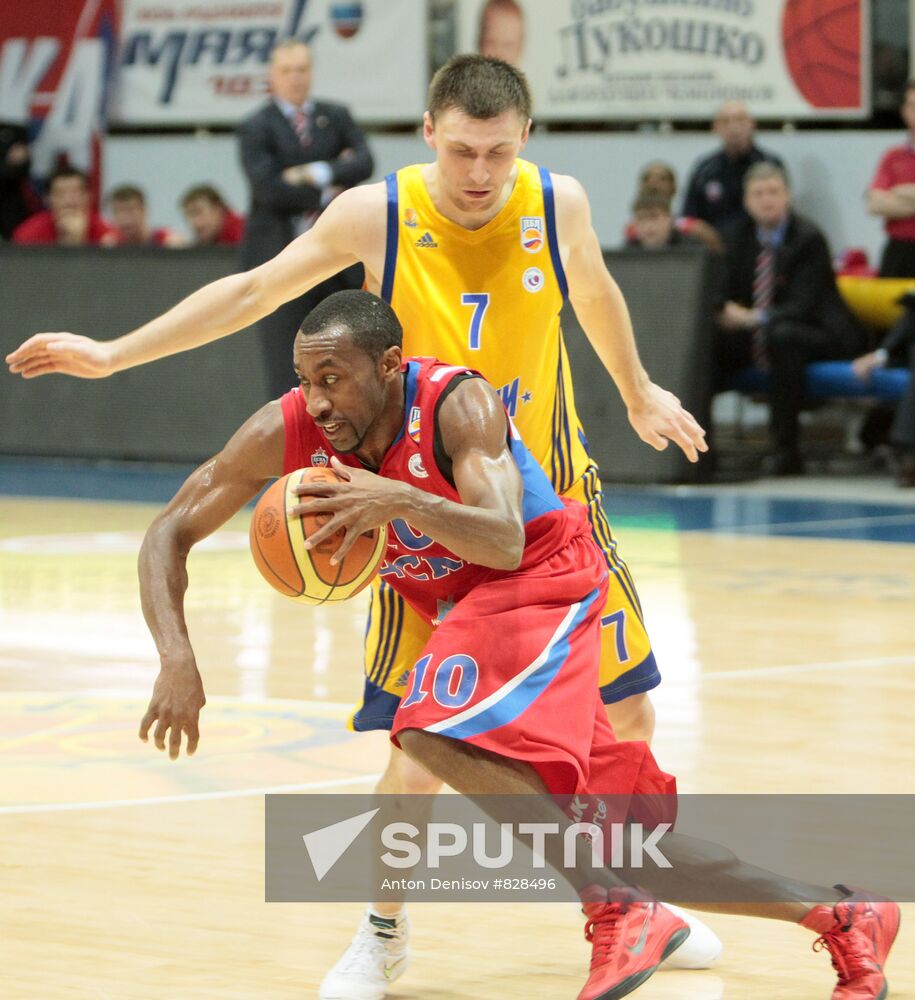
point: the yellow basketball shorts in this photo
(395, 635)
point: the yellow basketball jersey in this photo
(490, 299)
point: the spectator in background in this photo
(892, 196)
(210, 219)
(898, 347)
(127, 205)
(501, 33)
(782, 307)
(69, 219)
(297, 154)
(653, 225)
(15, 163)
(715, 192)
(659, 177)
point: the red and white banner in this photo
(201, 62)
(56, 57)
(190, 62)
(680, 59)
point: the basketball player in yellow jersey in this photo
(475, 251)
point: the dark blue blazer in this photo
(268, 145)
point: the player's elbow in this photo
(511, 550)
(165, 538)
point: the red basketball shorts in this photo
(513, 670)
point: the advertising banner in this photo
(190, 62)
(680, 59)
(56, 58)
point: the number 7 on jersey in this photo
(480, 303)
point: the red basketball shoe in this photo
(858, 932)
(630, 936)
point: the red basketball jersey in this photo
(431, 578)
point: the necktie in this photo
(301, 127)
(763, 288)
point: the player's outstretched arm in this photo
(209, 497)
(655, 413)
(216, 310)
(486, 528)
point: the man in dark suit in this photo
(714, 192)
(297, 155)
(781, 306)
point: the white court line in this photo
(142, 694)
(805, 668)
(781, 670)
(236, 793)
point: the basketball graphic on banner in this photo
(822, 43)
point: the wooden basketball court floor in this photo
(784, 629)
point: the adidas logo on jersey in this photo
(426, 240)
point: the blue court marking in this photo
(728, 511)
(84, 480)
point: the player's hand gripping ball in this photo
(307, 575)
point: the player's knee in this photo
(633, 718)
(405, 774)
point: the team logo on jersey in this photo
(410, 218)
(319, 457)
(416, 467)
(442, 609)
(426, 240)
(413, 424)
(531, 233)
(532, 279)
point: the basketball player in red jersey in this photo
(428, 446)
(466, 228)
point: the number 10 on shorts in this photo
(452, 682)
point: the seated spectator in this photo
(715, 189)
(891, 196)
(659, 177)
(15, 163)
(898, 347)
(781, 305)
(653, 225)
(127, 204)
(69, 220)
(211, 220)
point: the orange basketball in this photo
(306, 575)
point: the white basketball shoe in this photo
(376, 957)
(700, 950)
